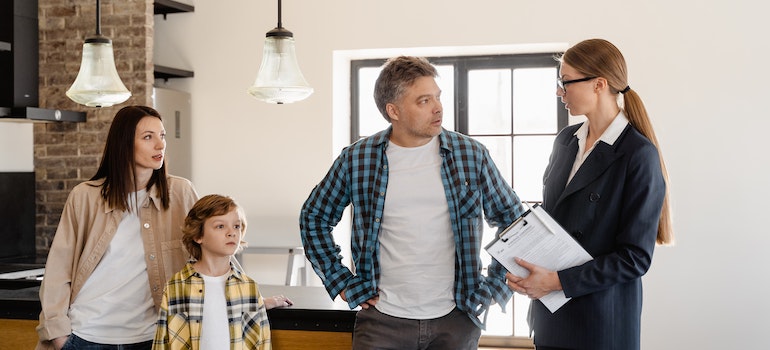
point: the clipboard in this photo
(536, 237)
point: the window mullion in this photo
(461, 97)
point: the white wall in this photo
(16, 146)
(699, 68)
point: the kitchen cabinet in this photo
(19, 309)
(17, 216)
(313, 322)
(18, 334)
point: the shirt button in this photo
(152, 256)
(382, 193)
(376, 219)
(146, 225)
(155, 289)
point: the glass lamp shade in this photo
(98, 83)
(279, 79)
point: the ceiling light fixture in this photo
(279, 79)
(98, 83)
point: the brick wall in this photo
(67, 154)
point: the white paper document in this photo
(536, 237)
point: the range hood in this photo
(19, 66)
(34, 114)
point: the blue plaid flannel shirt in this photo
(359, 176)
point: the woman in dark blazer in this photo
(606, 185)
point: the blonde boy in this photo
(232, 315)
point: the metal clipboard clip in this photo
(512, 225)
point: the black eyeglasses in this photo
(563, 83)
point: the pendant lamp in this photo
(279, 79)
(98, 83)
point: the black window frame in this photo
(462, 65)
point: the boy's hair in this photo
(204, 208)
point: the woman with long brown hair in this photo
(117, 243)
(606, 184)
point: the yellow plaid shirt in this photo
(181, 312)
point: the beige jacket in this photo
(85, 230)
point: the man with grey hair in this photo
(419, 195)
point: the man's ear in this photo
(392, 111)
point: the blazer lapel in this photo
(597, 162)
(559, 171)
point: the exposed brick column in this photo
(67, 154)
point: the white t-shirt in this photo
(215, 331)
(417, 248)
(115, 305)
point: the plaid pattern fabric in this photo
(474, 189)
(181, 312)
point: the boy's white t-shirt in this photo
(215, 330)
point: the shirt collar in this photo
(189, 271)
(611, 134)
(152, 194)
(383, 138)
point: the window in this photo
(508, 103)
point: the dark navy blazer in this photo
(611, 207)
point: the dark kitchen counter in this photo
(312, 309)
(19, 299)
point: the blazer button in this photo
(578, 234)
(594, 197)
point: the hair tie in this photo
(625, 90)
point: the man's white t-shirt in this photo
(417, 247)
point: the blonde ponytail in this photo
(637, 116)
